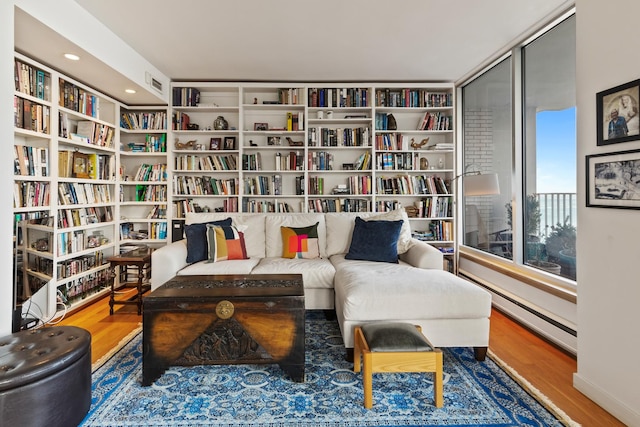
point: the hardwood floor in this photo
(546, 367)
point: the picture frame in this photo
(80, 165)
(230, 143)
(613, 180)
(274, 140)
(261, 126)
(618, 118)
(215, 144)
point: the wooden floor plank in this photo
(546, 367)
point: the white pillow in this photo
(404, 240)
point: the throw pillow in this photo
(225, 243)
(375, 241)
(196, 235)
(404, 240)
(300, 242)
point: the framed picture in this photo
(617, 114)
(273, 140)
(230, 143)
(80, 165)
(613, 180)
(261, 126)
(215, 144)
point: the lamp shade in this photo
(481, 185)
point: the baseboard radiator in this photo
(528, 315)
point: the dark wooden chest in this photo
(224, 319)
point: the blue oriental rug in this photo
(475, 393)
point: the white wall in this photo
(6, 170)
(608, 255)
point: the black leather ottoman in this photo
(45, 377)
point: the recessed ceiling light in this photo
(130, 91)
(72, 57)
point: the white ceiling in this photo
(296, 40)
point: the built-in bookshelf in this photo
(143, 176)
(274, 147)
(64, 172)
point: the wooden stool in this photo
(395, 347)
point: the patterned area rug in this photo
(475, 393)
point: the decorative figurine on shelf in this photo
(419, 145)
(255, 101)
(295, 143)
(424, 163)
(252, 144)
(220, 123)
(189, 145)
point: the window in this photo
(538, 227)
(487, 148)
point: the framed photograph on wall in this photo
(261, 126)
(613, 180)
(617, 114)
(215, 144)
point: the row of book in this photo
(185, 96)
(215, 162)
(156, 172)
(411, 184)
(74, 193)
(295, 121)
(434, 207)
(42, 265)
(338, 97)
(27, 194)
(263, 206)
(32, 81)
(292, 161)
(151, 193)
(263, 185)
(157, 212)
(30, 115)
(339, 205)
(359, 184)
(71, 242)
(85, 286)
(31, 161)
(339, 137)
(88, 132)
(290, 96)
(436, 121)
(152, 144)
(181, 207)
(154, 120)
(320, 160)
(397, 141)
(157, 230)
(77, 99)
(196, 185)
(78, 265)
(316, 185)
(397, 161)
(413, 98)
(83, 216)
(96, 166)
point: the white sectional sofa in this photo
(451, 311)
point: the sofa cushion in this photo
(300, 242)
(316, 273)
(236, 266)
(273, 235)
(225, 243)
(254, 233)
(380, 291)
(340, 228)
(196, 235)
(375, 241)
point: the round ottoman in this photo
(45, 377)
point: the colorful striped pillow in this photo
(225, 243)
(301, 242)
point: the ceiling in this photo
(293, 40)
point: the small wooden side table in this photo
(140, 258)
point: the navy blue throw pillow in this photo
(375, 241)
(196, 235)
